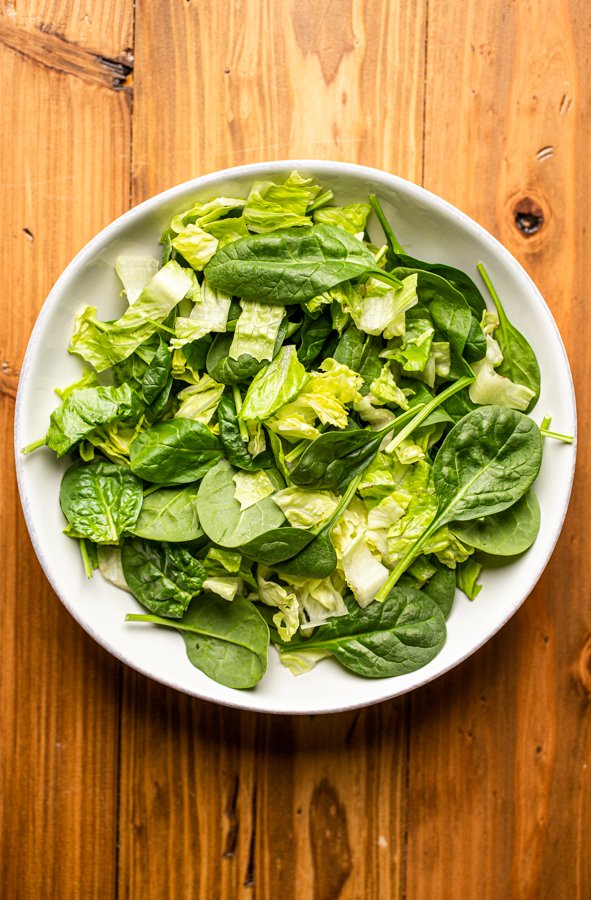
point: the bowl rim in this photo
(318, 167)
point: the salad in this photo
(293, 435)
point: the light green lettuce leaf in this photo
(408, 452)
(203, 214)
(364, 573)
(103, 344)
(318, 599)
(225, 586)
(227, 230)
(256, 330)
(228, 560)
(196, 246)
(109, 560)
(301, 661)
(257, 442)
(376, 417)
(421, 570)
(378, 308)
(385, 390)
(200, 401)
(209, 314)
(270, 206)
(490, 388)
(419, 513)
(88, 379)
(287, 620)
(351, 218)
(252, 487)
(448, 549)
(134, 273)
(305, 509)
(274, 386)
(467, 575)
(414, 347)
(490, 321)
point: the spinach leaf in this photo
(318, 559)
(312, 338)
(157, 373)
(234, 447)
(100, 500)
(174, 452)
(226, 370)
(219, 512)
(397, 257)
(349, 349)
(336, 457)
(161, 576)
(291, 265)
(459, 405)
(519, 360)
(475, 348)
(449, 310)
(196, 352)
(84, 410)
(441, 587)
(383, 640)
(158, 407)
(506, 533)
(227, 641)
(371, 365)
(487, 462)
(169, 514)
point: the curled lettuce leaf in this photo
(209, 315)
(104, 344)
(203, 214)
(274, 386)
(196, 246)
(227, 230)
(490, 388)
(134, 273)
(318, 599)
(305, 509)
(270, 206)
(200, 401)
(379, 309)
(351, 218)
(256, 331)
(385, 390)
(225, 586)
(302, 660)
(287, 620)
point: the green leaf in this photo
(234, 447)
(219, 512)
(519, 360)
(157, 374)
(274, 386)
(351, 218)
(441, 587)
(467, 577)
(506, 533)
(169, 514)
(227, 641)
(256, 331)
(393, 638)
(100, 500)
(162, 577)
(289, 266)
(84, 410)
(174, 452)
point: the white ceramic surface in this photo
(429, 228)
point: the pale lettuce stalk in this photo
(252, 487)
(274, 386)
(200, 401)
(196, 246)
(490, 388)
(305, 509)
(103, 344)
(256, 331)
(134, 273)
(318, 599)
(365, 574)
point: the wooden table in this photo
(477, 786)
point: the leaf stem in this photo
(85, 557)
(386, 228)
(34, 446)
(340, 508)
(388, 277)
(495, 297)
(241, 423)
(321, 200)
(565, 438)
(403, 564)
(297, 451)
(426, 411)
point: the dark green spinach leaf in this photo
(227, 641)
(169, 514)
(174, 452)
(86, 409)
(506, 533)
(235, 448)
(100, 500)
(163, 577)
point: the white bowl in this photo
(431, 229)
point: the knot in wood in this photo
(528, 215)
(583, 668)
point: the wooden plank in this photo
(65, 173)
(499, 800)
(240, 805)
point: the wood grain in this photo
(476, 786)
(65, 160)
(500, 748)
